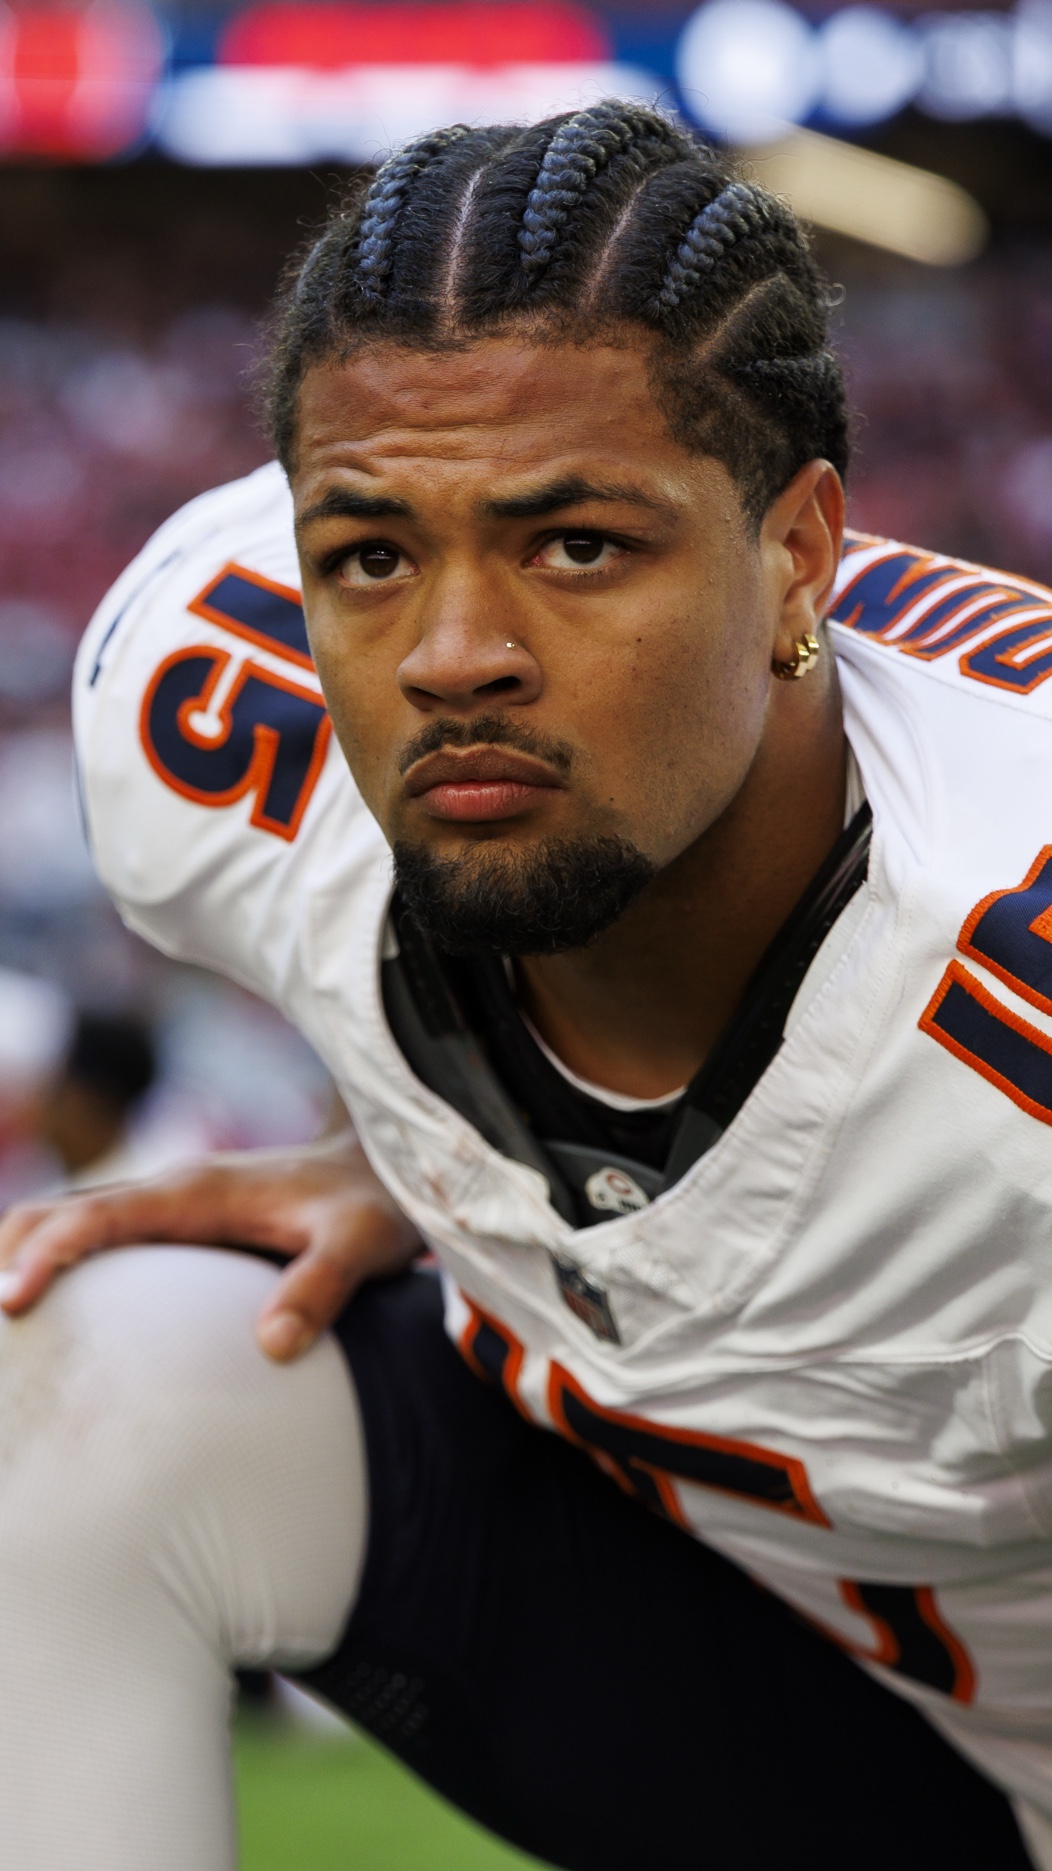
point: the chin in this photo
(499, 895)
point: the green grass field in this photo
(321, 1803)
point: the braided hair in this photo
(579, 227)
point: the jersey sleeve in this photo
(213, 792)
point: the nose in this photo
(463, 658)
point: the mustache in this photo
(493, 730)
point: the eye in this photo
(372, 563)
(572, 552)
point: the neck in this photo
(639, 1009)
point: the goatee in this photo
(556, 896)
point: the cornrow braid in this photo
(591, 227)
(386, 198)
(580, 148)
(739, 211)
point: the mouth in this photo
(482, 783)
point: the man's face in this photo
(540, 624)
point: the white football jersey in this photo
(835, 1357)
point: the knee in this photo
(121, 1375)
(144, 1434)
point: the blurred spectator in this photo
(86, 1111)
(36, 1019)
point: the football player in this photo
(672, 905)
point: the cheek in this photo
(679, 719)
(359, 697)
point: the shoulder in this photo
(945, 669)
(250, 519)
(213, 793)
(972, 628)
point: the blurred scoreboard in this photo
(291, 84)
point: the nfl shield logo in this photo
(587, 1298)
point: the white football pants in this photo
(171, 1504)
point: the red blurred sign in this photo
(76, 82)
(329, 37)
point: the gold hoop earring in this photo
(807, 651)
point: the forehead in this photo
(500, 406)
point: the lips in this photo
(483, 783)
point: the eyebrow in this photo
(572, 491)
(342, 503)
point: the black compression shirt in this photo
(549, 1103)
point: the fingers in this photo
(322, 1203)
(17, 1223)
(354, 1235)
(37, 1240)
(307, 1298)
(44, 1241)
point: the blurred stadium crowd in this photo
(952, 376)
(123, 392)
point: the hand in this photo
(322, 1205)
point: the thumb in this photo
(308, 1297)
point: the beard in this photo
(556, 896)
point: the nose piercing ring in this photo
(510, 646)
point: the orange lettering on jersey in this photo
(1010, 933)
(643, 1457)
(1018, 659)
(1042, 925)
(650, 1454)
(911, 1636)
(982, 1032)
(268, 737)
(252, 606)
(493, 1352)
(928, 606)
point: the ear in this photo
(800, 542)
